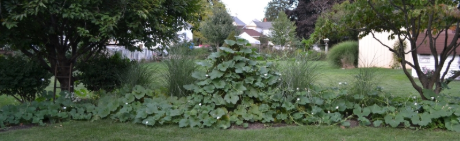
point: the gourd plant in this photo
(232, 78)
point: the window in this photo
(424, 58)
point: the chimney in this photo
(265, 19)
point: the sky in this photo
(247, 10)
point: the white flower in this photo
(298, 99)
(126, 103)
(265, 74)
(432, 98)
(417, 111)
(328, 111)
(199, 104)
(218, 117)
(312, 113)
(146, 122)
(64, 108)
(340, 83)
(207, 75)
(43, 79)
(337, 107)
(279, 79)
(415, 103)
(414, 97)
(297, 88)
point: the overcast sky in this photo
(247, 10)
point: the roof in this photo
(251, 32)
(424, 47)
(238, 21)
(263, 25)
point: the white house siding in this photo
(427, 62)
(251, 40)
(373, 54)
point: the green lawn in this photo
(394, 81)
(107, 130)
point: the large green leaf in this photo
(216, 74)
(199, 75)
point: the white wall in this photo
(373, 54)
(251, 40)
(427, 61)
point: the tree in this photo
(58, 33)
(217, 27)
(329, 25)
(283, 31)
(306, 13)
(407, 20)
(275, 6)
(208, 6)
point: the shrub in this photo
(101, 72)
(315, 55)
(22, 78)
(179, 68)
(344, 54)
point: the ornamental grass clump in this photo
(179, 68)
(344, 55)
(298, 74)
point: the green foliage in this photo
(61, 32)
(315, 55)
(274, 7)
(298, 74)
(217, 27)
(365, 87)
(344, 54)
(283, 32)
(330, 25)
(179, 68)
(104, 72)
(22, 78)
(136, 74)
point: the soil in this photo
(258, 125)
(17, 127)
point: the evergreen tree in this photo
(217, 27)
(274, 6)
(283, 31)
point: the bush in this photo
(179, 68)
(344, 54)
(102, 72)
(315, 55)
(22, 78)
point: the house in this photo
(185, 35)
(251, 35)
(427, 60)
(253, 31)
(373, 54)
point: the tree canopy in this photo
(409, 20)
(275, 6)
(306, 13)
(59, 32)
(217, 27)
(283, 31)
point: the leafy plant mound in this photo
(22, 78)
(344, 54)
(102, 72)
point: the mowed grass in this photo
(108, 130)
(393, 81)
